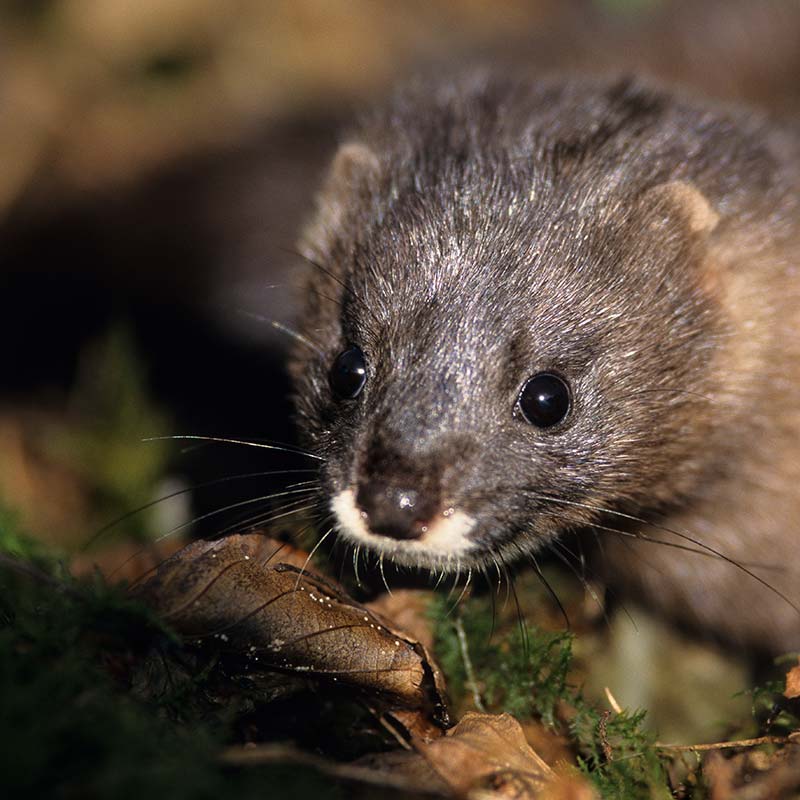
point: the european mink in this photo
(559, 305)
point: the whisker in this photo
(365, 306)
(224, 440)
(463, 592)
(356, 554)
(262, 518)
(564, 554)
(265, 518)
(709, 550)
(311, 555)
(239, 504)
(317, 265)
(297, 287)
(205, 484)
(383, 574)
(509, 584)
(456, 577)
(551, 591)
(492, 600)
(523, 628)
(283, 328)
(206, 516)
(439, 579)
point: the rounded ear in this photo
(354, 171)
(680, 203)
(354, 165)
(685, 200)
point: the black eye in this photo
(348, 373)
(544, 400)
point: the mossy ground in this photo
(99, 700)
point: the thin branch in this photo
(255, 755)
(468, 668)
(792, 738)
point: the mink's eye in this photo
(544, 400)
(348, 373)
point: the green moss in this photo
(525, 671)
(772, 711)
(635, 768)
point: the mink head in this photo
(512, 322)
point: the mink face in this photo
(515, 324)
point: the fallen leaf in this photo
(230, 593)
(484, 756)
(754, 774)
(792, 683)
(570, 786)
(551, 746)
(408, 610)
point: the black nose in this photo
(397, 512)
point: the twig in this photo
(603, 733)
(468, 668)
(792, 738)
(384, 722)
(612, 701)
(255, 755)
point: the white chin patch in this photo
(444, 544)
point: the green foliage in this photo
(15, 542)
(772, 710)
(102, 441)
(525, 672)
(635, 769)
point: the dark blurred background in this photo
(158, 158)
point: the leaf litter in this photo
(234, 594)
(245, 611)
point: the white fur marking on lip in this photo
(445, 539)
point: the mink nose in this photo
(397, 512)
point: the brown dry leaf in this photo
(413, 726)
(484, 756)
(232, 593)
(27, 475)
(552, 747)
(407, 608)
(570, 786)
(793, 683)
(754, 775)
(719, 774)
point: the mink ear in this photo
(680, 203)
(685, 200)
(354, 166)
(351, 176)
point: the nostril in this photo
(399, 513)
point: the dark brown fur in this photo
(645, 246)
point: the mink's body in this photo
(642, 248)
